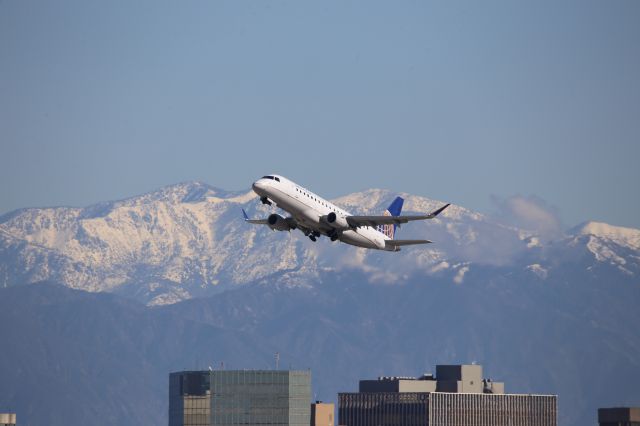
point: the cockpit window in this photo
(268, 177)
(277, 178)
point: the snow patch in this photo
(241, 199)
(627, 237)
(603, 253)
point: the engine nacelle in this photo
(278, 223)
(337, 222)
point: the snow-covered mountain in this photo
(545, 310)
(189, 240)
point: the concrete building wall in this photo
(417, 386)
(493, 387)
(7, 419)
(322, 414)
(467, 378)
(458, 409)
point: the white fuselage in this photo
(308, 209)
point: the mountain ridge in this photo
(189, 240)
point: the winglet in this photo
(245, 215)
(437, 212)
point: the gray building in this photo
(457, 396)
(247, 397)
(619, 416)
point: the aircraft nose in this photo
(257, 185)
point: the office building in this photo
(7, 419)
(190, 398)
(226, 398)
(619, 416)
(322, 414)
(458, 395)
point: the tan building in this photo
(7, 419)
(322, 414)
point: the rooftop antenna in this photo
(277, 356)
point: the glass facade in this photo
(249, 397)
(383, 409)
(189, 399)
(260, 397)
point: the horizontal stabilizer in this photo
(398, 243)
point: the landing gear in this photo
(312, 238)
(333, 235)
(265, 200)
(313, 235)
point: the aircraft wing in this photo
(256, 221)
(358, 221)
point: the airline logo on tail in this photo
(394, 210)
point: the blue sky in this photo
(460, 101)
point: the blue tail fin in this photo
(393, 210)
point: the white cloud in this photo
(531, 213)
(439, 267)
(459, 278)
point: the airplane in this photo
(315, 216)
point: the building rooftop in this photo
(465, 378)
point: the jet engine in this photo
(337, 222)
(278, 223)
